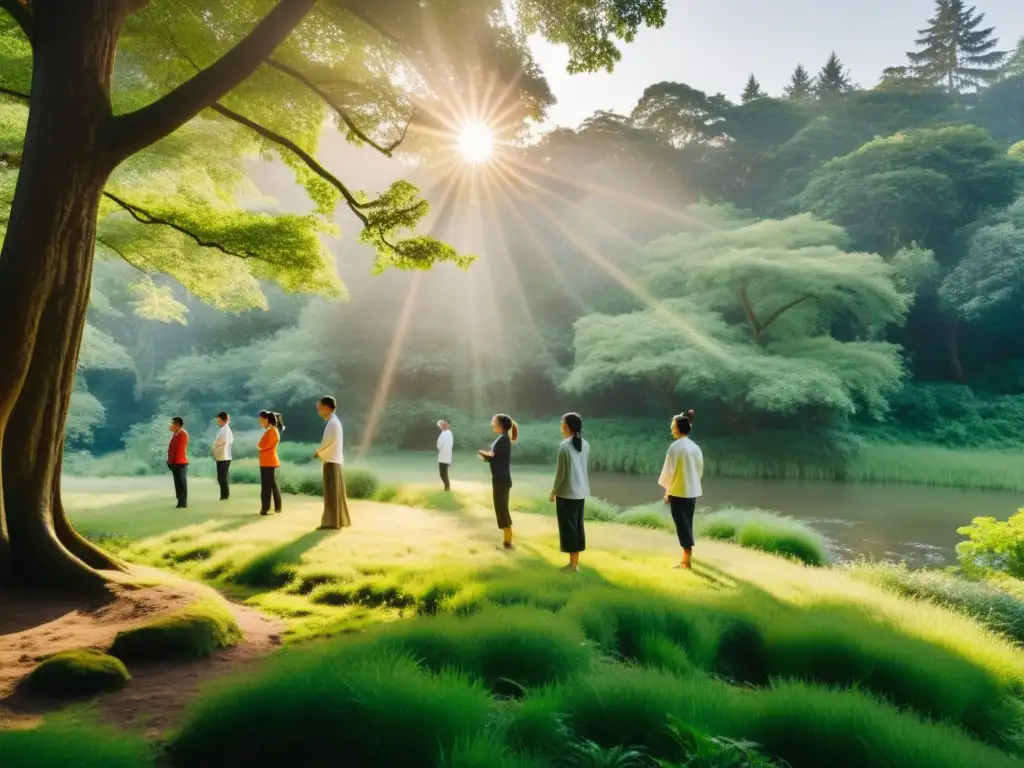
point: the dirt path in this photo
(157, 695)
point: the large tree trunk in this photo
(45, 269)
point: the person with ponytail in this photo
(273, 426)
(500, 458)
(681, 479)
(571, 489)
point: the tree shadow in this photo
(275, 568)
(22, 611)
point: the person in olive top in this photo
(681, 478)
(571, 489)
(273, 425)
(177, 460)
(500, 458)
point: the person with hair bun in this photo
(681, 479)
(273, 425)
(571, 489)
(500, 458)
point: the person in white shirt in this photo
(681, 478)
(332, 452)
(445, 444)
(222, 454)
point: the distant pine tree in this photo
(1015, 64)
(752, 90)
(955, 51)
(801, 87)
(833, 79)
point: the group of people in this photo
(680, 477)
(680, 480)
(330, 453)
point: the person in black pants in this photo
(222, 454)
(500, 458)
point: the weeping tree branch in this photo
(341, 112)
(782, 310)
(757, 327)
(114, 249)
(137, 130)
(145, 217)
(21, 14)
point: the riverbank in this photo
(442, 650)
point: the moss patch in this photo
(73, 674)
(196, 632)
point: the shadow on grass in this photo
(276, 567)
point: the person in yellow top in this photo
(681, 479)
(273, 425)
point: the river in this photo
(894, 522)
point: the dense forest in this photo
(832, 261)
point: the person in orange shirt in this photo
(177, 460)
(273, 426)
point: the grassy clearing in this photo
(198, 631)
(70, 742)
(441, 649)
(79, 673)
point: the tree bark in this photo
(45, 269)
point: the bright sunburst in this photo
(475, 142)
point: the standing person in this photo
(332, 453)
(571, 489)
(177, 460)
(222, 454)
(680, 477)
(445, 444)
(500, 458)
(273, 425)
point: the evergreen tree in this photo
(800, 87)
(752, 90)
(833, 79)
(955, 51)
(1015, 63)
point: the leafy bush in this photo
(766, 531)
(360, 483)
(373, 708)
(993, 545)
(77, 673)
(983, 601)
(196, 632)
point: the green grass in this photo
(428, 628)
(63, 742)
(986, 602)
(78, 673)
(195, 632)
(756, 529)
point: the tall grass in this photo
(71, 743)
(312, 708)
(766, 531)
(983, 601)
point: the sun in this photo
(475, 142)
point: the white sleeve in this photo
(667, 471)
(700, 463)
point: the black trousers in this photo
(223, 478)
(180, 474)
(444, 476)
(501, 493)
(269, 489)
(571, 534)
(682, 514)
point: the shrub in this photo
(386, 493)
(196, 632)
(766, 531)
(983, 601)
(360, 483)
(69, 743)
(654, 516)
(373, 708)
(77, 673)
(993, 545)
(600, 510)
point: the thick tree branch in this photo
(21, 14)
(342, 113)
(146, 126)
(782, 310)
(145, 217)
(748, 310)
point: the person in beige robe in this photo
(331, 453)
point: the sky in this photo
(714, 45)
